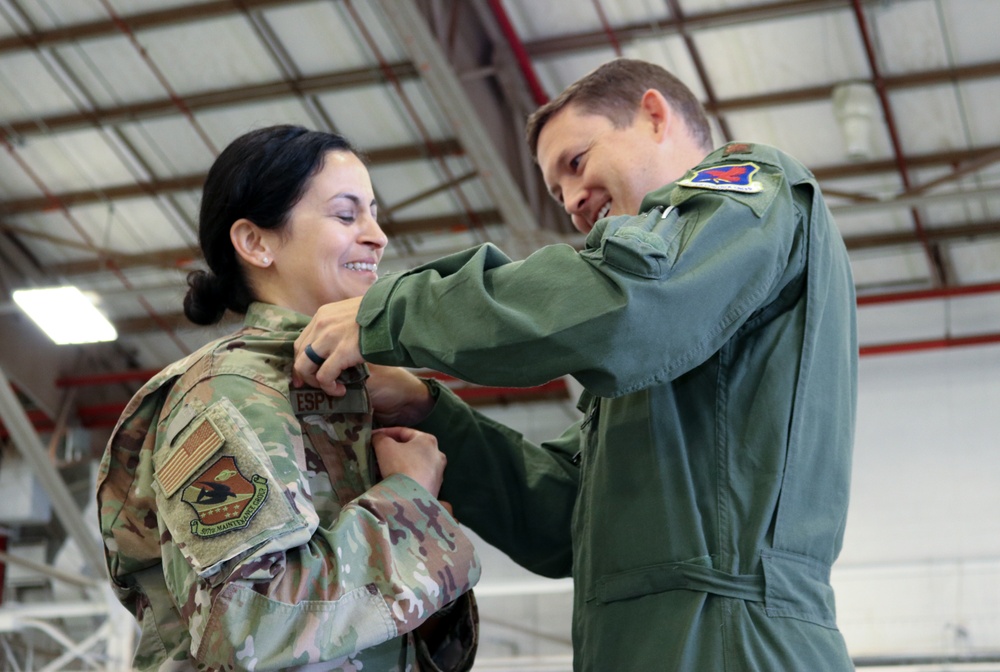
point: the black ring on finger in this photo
(314, 356)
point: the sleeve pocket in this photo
(274, 635)
(645, 246)
(231, 502)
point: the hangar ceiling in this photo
(111, 112)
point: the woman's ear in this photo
(250, 243)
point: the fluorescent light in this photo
(65, 315)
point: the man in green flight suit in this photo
(710, 316)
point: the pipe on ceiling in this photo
(520, 53)
(938, 270)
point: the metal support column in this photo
(17, 423)
(416, 38)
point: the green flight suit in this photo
(715, 336)
(246, 528)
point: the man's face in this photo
(594, 169)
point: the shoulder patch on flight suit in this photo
(223, 499)
(753, 184)
(733, 177)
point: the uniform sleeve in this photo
(649, 298)
(516, 495)
(260, 583)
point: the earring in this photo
(265, 261)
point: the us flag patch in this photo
(735, 177)
(200, 444)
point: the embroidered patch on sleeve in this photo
(223, 499)
(200, 444)
(735, 177)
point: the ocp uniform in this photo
(244, 526)
(708, 481)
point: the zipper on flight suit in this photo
(591, 418)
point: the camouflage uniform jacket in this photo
(245, 526)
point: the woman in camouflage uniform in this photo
(251, 524)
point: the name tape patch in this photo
(313, 401)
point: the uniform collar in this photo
(269, 317)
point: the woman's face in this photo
(330, 248)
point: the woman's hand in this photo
(403, 450)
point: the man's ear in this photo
(655, 110)
(250, 243)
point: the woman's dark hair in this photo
(260, 176)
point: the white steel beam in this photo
(417, 40)
(30, 446)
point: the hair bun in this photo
(205, 302)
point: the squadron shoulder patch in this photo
(223, 499)
(735, 177)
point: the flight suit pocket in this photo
(645, 246)
(797, 586)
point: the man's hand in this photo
(402, 450)
(333, 336)
(398, 397)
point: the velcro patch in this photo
(201, 442)
(314, 401)
(733, 177)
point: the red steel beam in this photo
(520, 53)
(923, 294)
(930, 344)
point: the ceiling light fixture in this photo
(65, 315)
(855, 105)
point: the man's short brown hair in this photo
(614, 90)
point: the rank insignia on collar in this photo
(223, 498)
(735, 177)
(737, 148)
